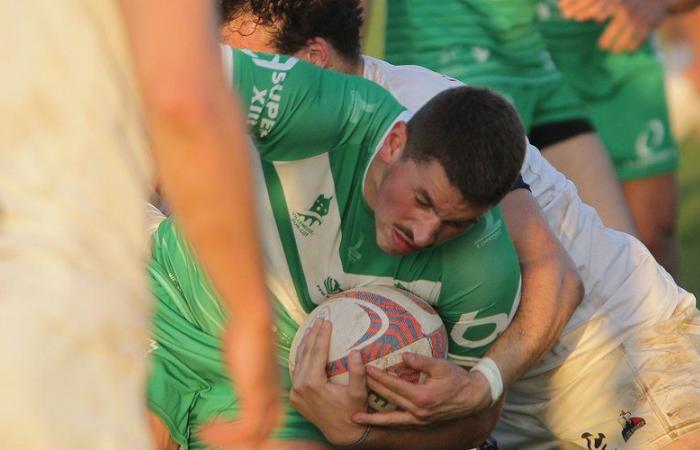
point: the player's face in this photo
(417, 207)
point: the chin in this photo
(385, 248)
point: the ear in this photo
(394, 144)
(318, 52)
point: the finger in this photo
(318, 357)
(357, 386)
(627, 41)
(612, 31)
(393, 418)
(625, 37)
(389, 382)
(431, 366)
(301, 367)
(391, 396)
(583, 9)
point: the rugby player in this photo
(623, 89)
(611, 351)
(496, 44)
(74, 174)
(352, 195)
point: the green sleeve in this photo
(481, 288)
(296, 110)
(183, 357)
(197, 302)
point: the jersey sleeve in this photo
(296, 110)
(481, 288)
(177, 274)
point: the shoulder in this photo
(481, 267)
(412, 86)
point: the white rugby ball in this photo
(382, 322)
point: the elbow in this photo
(574, 284)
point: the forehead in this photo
(430, 178)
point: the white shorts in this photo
(643, 394)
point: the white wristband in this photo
(488, 368)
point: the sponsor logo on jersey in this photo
(630, 424)
(354, 253)
(595, 443)
(650, 139)
(543, 11)
(265, 103)
(481, 54)
(306, 221)
(330, 287)
(360, 107)
(492, 229)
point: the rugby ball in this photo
(382, 322)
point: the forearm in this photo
(458, 434)
(551, 292)
(198, 139)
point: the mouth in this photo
(401, 244)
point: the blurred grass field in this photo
(689, 217)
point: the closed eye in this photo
(422, 201)
(459, 223)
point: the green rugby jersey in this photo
(315, 133)
(475, 41)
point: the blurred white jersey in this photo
(625, 287)
(74, 172)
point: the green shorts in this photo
(627, 103)
(542, 103)
(188, 385)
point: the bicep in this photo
(531, 235)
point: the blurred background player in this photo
(496, 44)
(680, 36)
(614, 68)
(74, 175)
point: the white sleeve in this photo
(154, 217)
(227, 61)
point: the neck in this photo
(343, 65)
(373, 180)
(358, 68)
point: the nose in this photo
(425, 230)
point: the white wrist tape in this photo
(488, 368)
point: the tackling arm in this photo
(198, 138)
(552, 290)
(457, 434)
